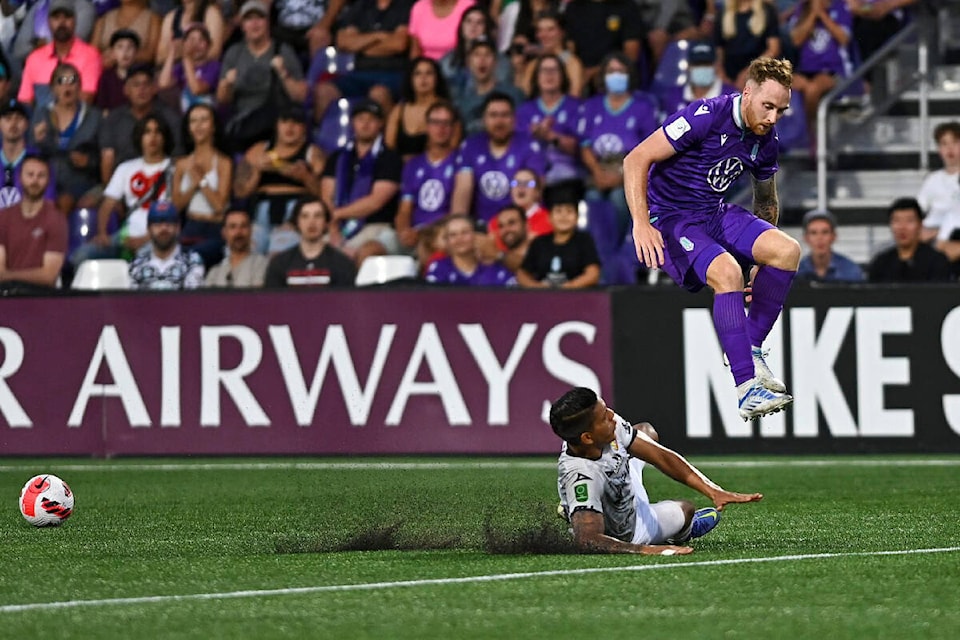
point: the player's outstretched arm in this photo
(636, 166)
(675, 466)
(590, 538)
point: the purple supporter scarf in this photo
(353, 185)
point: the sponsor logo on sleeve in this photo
(581, 493)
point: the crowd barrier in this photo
(393, 371)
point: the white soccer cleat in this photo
(763, 373)
(757, 401)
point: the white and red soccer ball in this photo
(46, 501)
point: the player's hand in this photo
(724, 498)
(665, 550)
(649, 244)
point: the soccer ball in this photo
(46, 501)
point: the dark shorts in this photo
(693, 239)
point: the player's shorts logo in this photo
(722, 175)
(431, 195)
(495, 185)
(686, 243)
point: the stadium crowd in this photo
(227, 144)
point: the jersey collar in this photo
(737, 113)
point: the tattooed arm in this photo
(766, 204)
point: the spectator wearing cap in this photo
(65, 131)
(36, 31)
(822, 263)
(124, 45)
(909, 259)
(33, 234)
(65, 47)
(202, 181)
(189, 12)
(241, 267)
(274, 174)
(195, 74)
(136, 16)
(361, 185)
(165, 266)
(256, 70)
(703, 81)
(116, 139)
(14, 123)
(376, 32)
(483, 82)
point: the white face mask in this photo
(702, 76)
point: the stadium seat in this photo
(98, 275)
(672, 70)
(383, 269)
(82, 227)
(327, 63)
(599, 218)
(334, 130)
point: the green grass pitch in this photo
(255, 548)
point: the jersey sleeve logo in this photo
(677, 128)
(581, 493)
(702, 109)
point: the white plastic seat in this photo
(381, 269)
(98, 275)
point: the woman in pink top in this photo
(433, 26)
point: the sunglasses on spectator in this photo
(531, 184)
(71, 79)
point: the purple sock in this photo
(770, 289)
(731, 324)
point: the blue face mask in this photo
(616, 82)
(702, 76)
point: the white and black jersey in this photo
(603, 485)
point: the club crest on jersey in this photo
(495, 185)
(431, 195)
(722, 175)
(608, 144)
(755, 151)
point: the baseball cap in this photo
(702, 53)
(162, 211)
(819, 214)
(15, 106)
(62, 6)
(254, 5)
(367, 106)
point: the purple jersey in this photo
(443, 271)
(560, 165)
(491, 176)
(612, 134)
(821, 52)
(11, 191)
(208, 72)
(713, 149)
(429, 186)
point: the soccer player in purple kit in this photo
(675, 182)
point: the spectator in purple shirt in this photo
(427, 184)
(820, 29)
(487, 160)
(195, 75)
(461, 266)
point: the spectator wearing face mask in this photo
(703, 81)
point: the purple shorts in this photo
(692, 239)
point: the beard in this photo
(62, 34)
(33, 192)
(163, 242)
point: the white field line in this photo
(840, 461)
(501, 577)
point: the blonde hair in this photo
(757, 23)
(763, 69)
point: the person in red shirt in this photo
(525, 192)
(33, 234)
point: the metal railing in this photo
(921, 76)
